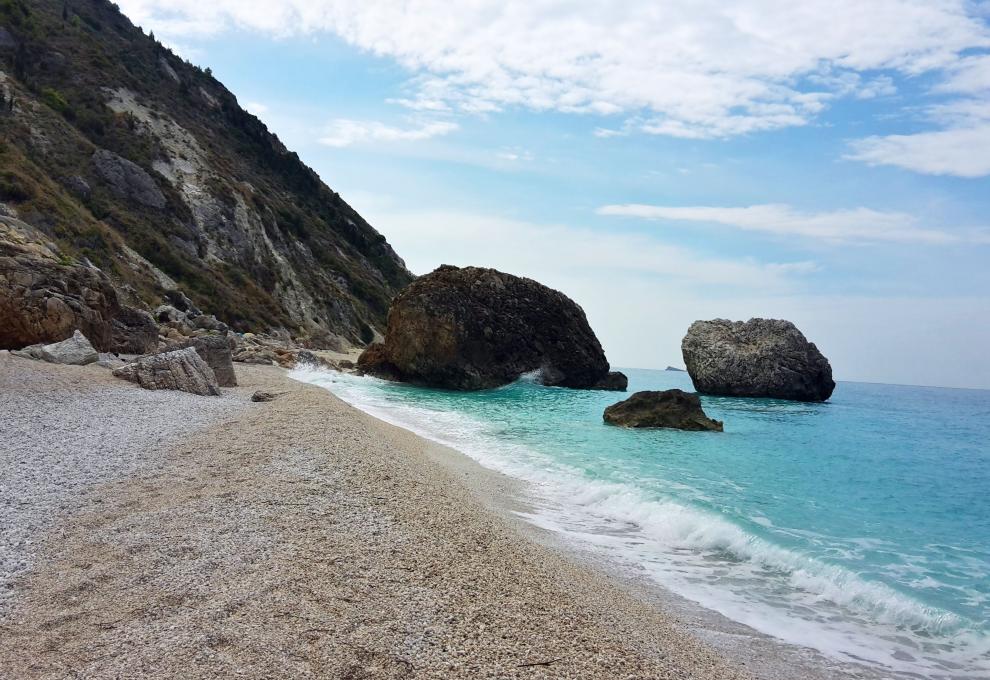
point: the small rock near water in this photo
(756, 358)
(182, 370)
(262, 396)
(670, 409)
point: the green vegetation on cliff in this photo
(124, 154)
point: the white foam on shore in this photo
(703, 556)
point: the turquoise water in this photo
(860, 527)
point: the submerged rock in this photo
(472, 328)
(670, 408)
(756, 358)
(182, 369)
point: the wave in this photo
(698, 553)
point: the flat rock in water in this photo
(182, 370)
(756, 358)
(670, 408)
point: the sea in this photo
(859, 527)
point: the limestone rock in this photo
(374, 362)
(670, 409)
(182, 369)
(261, 396)
(127, 179)
(473, 328)
(615, 381)
(133, 331)
(756, 358)
(215, 351)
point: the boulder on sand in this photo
(182, 370)
(74, 351)
(215, 351)
(472, 328)
(670, 408)
(756, 358)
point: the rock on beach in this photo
(182, 370)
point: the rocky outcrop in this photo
(615, 381)
(475, 328)
(127, 180)
(374, 362)
(756, 358)
(215, 351)
(74, 351)
(182, 370)
(133, 331)
(44, 297)
(670, 409)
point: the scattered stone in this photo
(180, 301)
(473, 328)
(182, 370)
(133, 331)
(262, 396)
(346, 364)
(111, 361)
(208, 322)
(255, 355)
(756, 358)
(127, 179)
(670, 409)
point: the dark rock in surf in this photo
(473, 328)
(756, 358)
(668, 409)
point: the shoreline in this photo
(305, 537)
(759, 653)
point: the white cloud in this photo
(346, 132)
(515, 155)
(549, 251)
(257, 108)
(688, 68)
(963, 151)
(837, 226)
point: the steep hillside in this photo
(131, 159)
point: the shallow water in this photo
(859, 527)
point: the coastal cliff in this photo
(129, 165)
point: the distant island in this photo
(674, 368)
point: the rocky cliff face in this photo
(473, 328)
(130, 161)
(756, 358)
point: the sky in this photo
(659, 162)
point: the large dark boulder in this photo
(756, 358)
(671, 408)
(473, 328)
(133, 331)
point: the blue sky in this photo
(659, 162)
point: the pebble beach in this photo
(153, 534)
